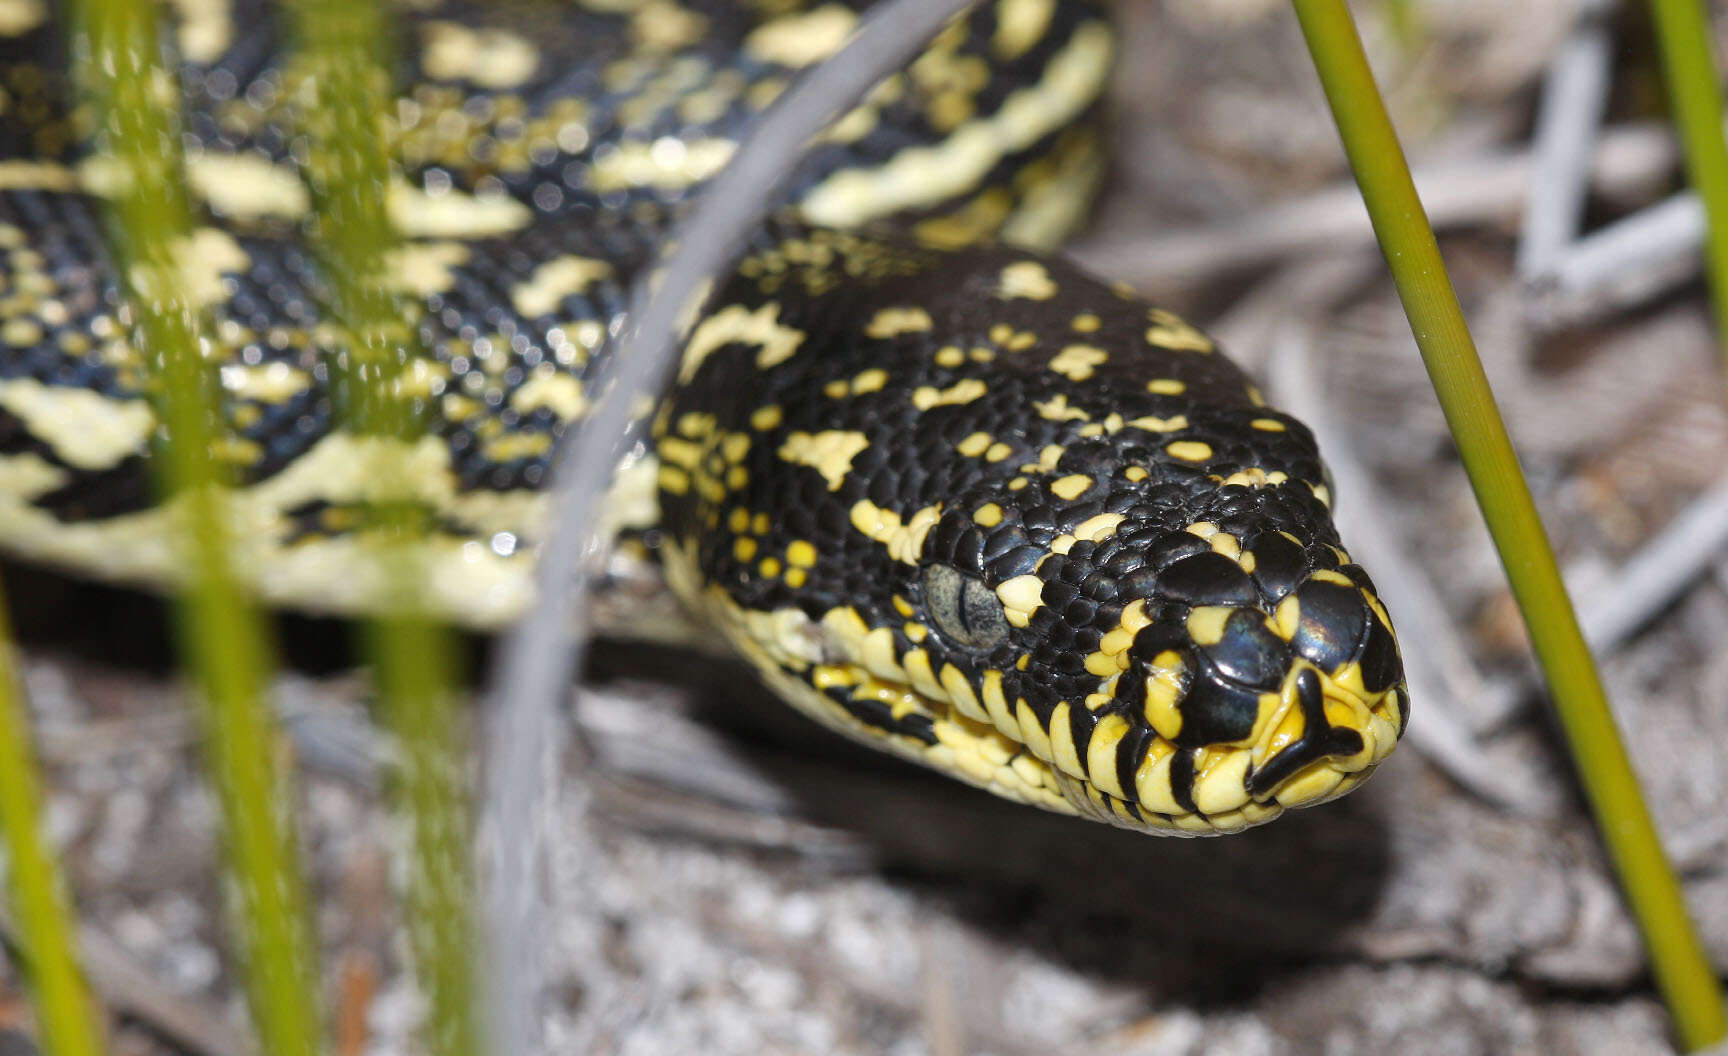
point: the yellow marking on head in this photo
(766, 417)
(82, 428)
(1011, 339)
(661, 25)
(905, 542)
(915, 631)
(1189, 450)
(1017, 483)
(1025, 278)
(996, 705)
(1255, 477)
(961, 694)
(556, 390)
(1164, 686)
(1062, 752)
(415, 213)
(803, 39)
(1021, 597)
(1056, 409)
(1171, 331)
(870, 380)
(511, 446)
(1206, 623)
(1136, 473)
(1268, 425)
(1166, 387)
(1086, 323)
(1020, 24)
(423, 268)
(769, 567)
(964, 391)
(996, 452)
(1220, 785)
(801, 553)
(667, 163)
(744, 548)
(892, 322)
(973, 445)
(1153, 424)
(735, 323)
(1255, 397)
(18, 17)
(950, 356)
(1323, 493)
(551, 282)
(903, 607)
(796, 577)
(1078, 362)
(759, 523)
(266, 383)
(829, 453)
(490, 58)
(1072, 486)
(1101, 754)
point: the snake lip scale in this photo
(947, 493)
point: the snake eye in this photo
(964, 609)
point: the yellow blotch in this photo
(661, 25)
(1153, 424)
(1072, 486)
(561, 392)
(247, 186)
(1028, 279)
(891, 322)
(801, 40)
(1206, 623)
(666, 163)
(18, 17)
(1062, 751)
(829, 453)
(1056, 409)
(1078, 362)
(905, 541)
(1086, 323)
(962, 695)
(950, 356)
(973, 445)
(1268, 425)
(1189, 450)
(1136, 473)
(997, 452)
(545, 289)
(1100, 527)
(1032, 731)
(1171, 331)
(801, 553)
(965, 391)
(766, 417)
(266, 383)
(1164, 687)
(1101, 754)
(1020, 598)
(1166, 387)
(513, 446)
(744, 548)
(989, 515)
(795, 577)
(736, 323)
(870, 380)
(424, 268)
(1019, 25)
(490, 58)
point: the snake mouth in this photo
(1322, 737)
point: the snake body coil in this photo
(959, 501)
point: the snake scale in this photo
(958, 500)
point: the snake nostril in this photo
(1319, 740)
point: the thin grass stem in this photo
(66, 1014)
(1682, 971)
(121, 73)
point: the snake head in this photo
(1028, 530)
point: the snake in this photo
(947, 493)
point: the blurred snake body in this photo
(957, 500)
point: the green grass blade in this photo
(346, 93)
(66, 1015)
(1683, 37)
(1683, 973)
(137, 135)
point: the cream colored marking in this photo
(490, 58)
(206, 29)
(666, 163)
(661, 25)
(973, 445)
(961, 694)
(424, 268)
(1166, 387)
(203, 258)
(1072, 486)
(905, 542)
(801, 40)
(545, 289)
(1086, 323)
(1021, 597)
(1189, 450)
(1019, 25)
(801, 553)
(1255, 477)
(1152, 784)
(1062, 751)
(829, 453)
(1032, 730)
(1268, 425)
(997, 452)
(964, 391)
(35, 175)
(1222, 787)
(453, 214)
(996, 704)
(266, 383)
(988, 515)
(247, 186)
(1170, 331)
(1094, 529)
(1164, 685)
(922, 176)
(1323, 493)
(1056, 409)
(1025, 278)
(765, 418)
(29, 475)
(554, 389)
(892, 322)
(1078, 362)
(736, 323)
(18, 17)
